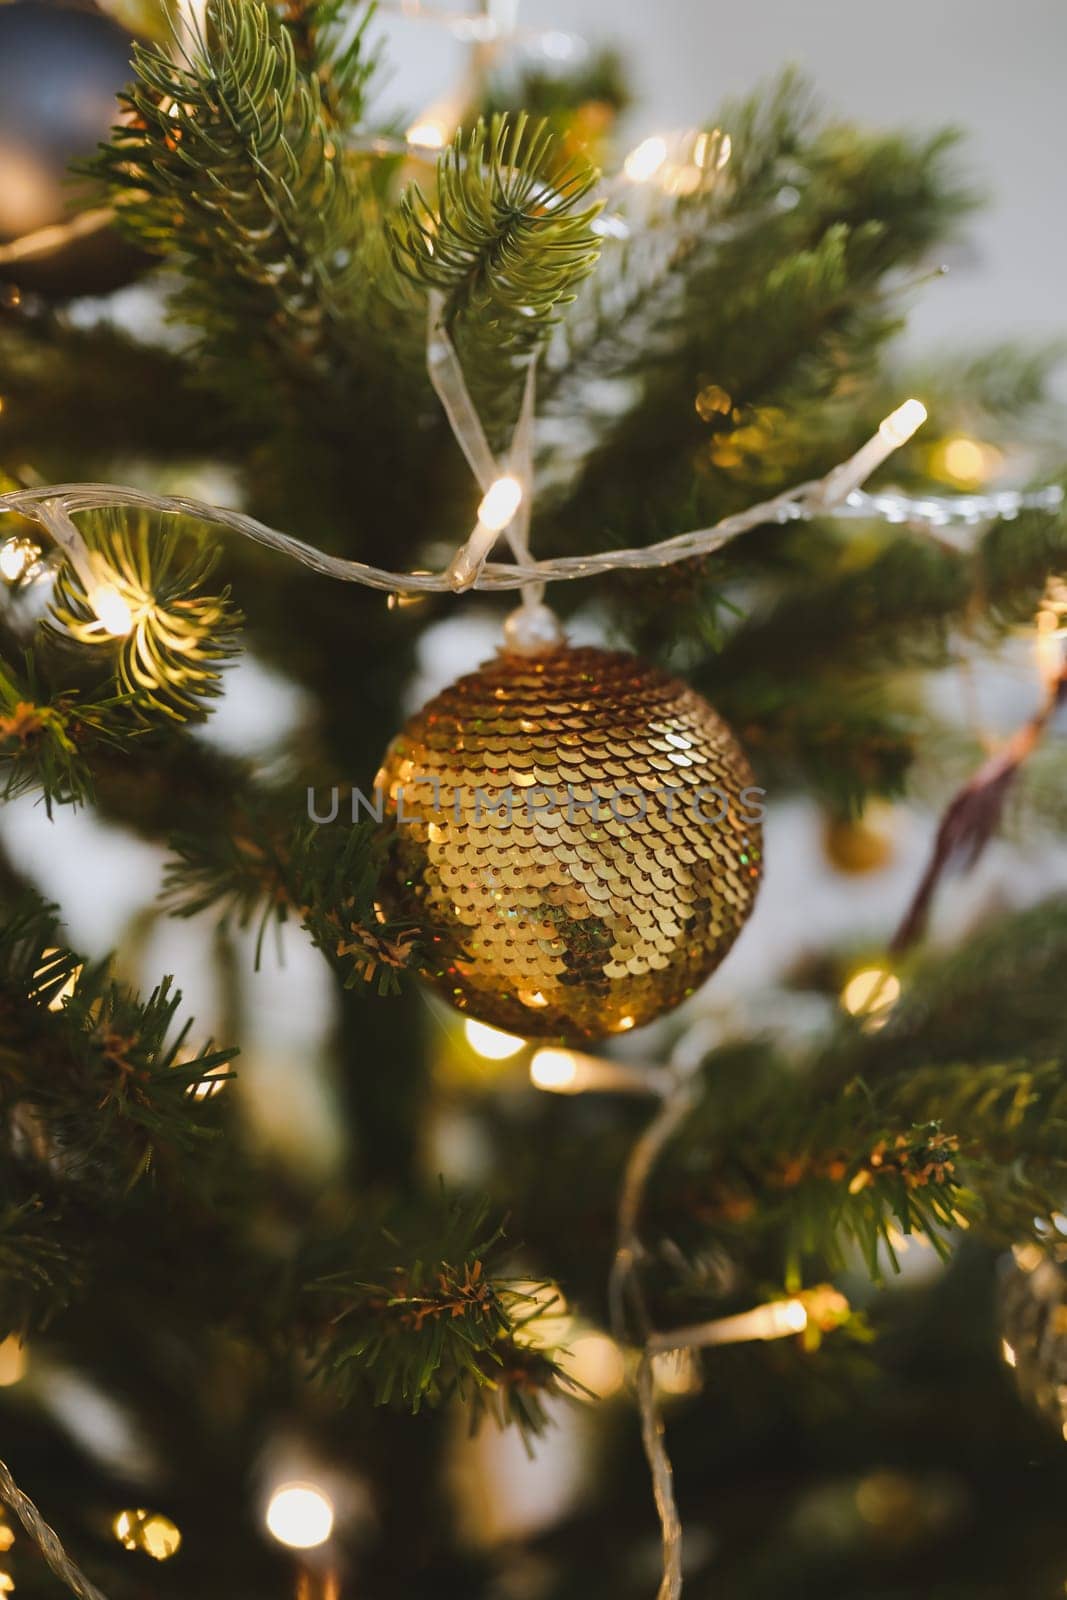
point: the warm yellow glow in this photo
(428, 135)
(870, 991)
(499, 504)
(7, 1583)
(543, 1311)
(60, 998)
(792, 1316)
(212, 1083)
(149, 1531)
(556, 1070)
(676, 1372)
(680, 180)
(625, 1024)
(596, 1362)
(967, 462)
(13, 1361)
(7, 1536)
(645, 160)
(15, 556)
(491, 1043)
(899, 426)
(1007, 1352)
(112, 610)
(300, 1515)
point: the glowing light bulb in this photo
(870, 991)
(556, 1070)
(427, 135)
(16, 555)
(499, 504)
(791, 1316)
(114, 614)
(900, 424)
(149, 1531)
(12, 1362)
(300, 1515)
(967, 461)
(596, 1362)
(491, 1043)
(645, 160)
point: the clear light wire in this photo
(801, 504)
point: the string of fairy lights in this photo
(299, 1513)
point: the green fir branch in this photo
(506, 242)
(228, 165)
(48, 740)
(106, 1078)
(413, 1323)
(169, 665)
(263, 870)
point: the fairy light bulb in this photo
(149, 1531)
(900, 424)
(426, 135)
(554, 1070)
(870, 991)
(498, 507)
(16, 557)
(499, 504)
(300, 1515)
(596, 1362)
(114, 614)
(790, 1316)
(645, 160)
(893, 431)
(491, 1043)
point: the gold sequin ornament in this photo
(576, 836)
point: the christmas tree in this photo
(459, 1148)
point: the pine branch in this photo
(103, 1078)
(165, 671)
(228, 166)
(950, 1116)
(38, 1276)
(168, 667)
(792, 307)
(504, 242)
(338, 59)
(414, 1323)
(265, 870)
(47, 740)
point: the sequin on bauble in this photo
(576, 836)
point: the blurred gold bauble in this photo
(539, 915)
(858, 844)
